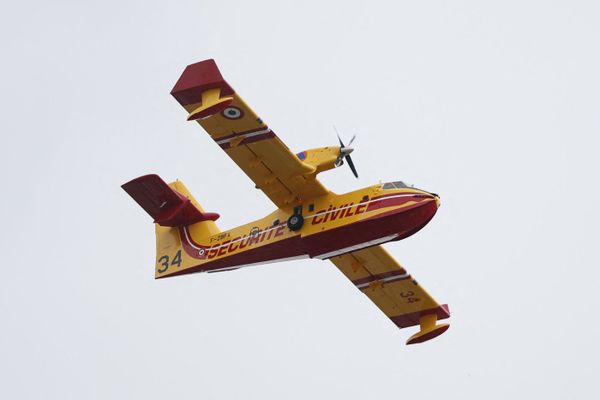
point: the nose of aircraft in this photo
(430, 195)
(435, 196)
(417, 214)
(438, 202)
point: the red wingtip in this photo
(197, 78)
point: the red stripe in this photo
(373, 278)
(236, 134)
(383, 196)
(418, 194)
(398, 211)
(395, 201)
(290, 247)
(412, 319)
(403, 221)
(253, 139)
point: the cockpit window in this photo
(395, 185)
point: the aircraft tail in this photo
(171, 206)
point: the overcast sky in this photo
(495, 106)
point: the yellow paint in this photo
(168, 241)
(290, 182)
(322, 158)
(427, 324)
(207, 234)
(210, 98)
(273, 168)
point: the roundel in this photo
(201, 252)
(232, 113)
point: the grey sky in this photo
(492, 105)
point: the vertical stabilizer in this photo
(174, 209)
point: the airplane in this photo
(310, 221)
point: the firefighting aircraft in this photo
(310, 220)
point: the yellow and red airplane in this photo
(310, 220)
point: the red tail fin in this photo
(167, 206)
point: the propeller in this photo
(345, 153)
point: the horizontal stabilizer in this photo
(167, 206)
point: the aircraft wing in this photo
(254, 147)
(394, 291)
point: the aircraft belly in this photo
(396, 224)
(285, 249)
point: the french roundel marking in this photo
(232, 113)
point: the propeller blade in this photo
(345, 153)
(351, 140)
(338, 135)
(351, 165)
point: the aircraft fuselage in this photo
(333, 225)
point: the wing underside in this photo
(246, 139)
(375, 273)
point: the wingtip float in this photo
(310, 221)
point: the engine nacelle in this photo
(321, 158)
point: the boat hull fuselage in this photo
(333, 225)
